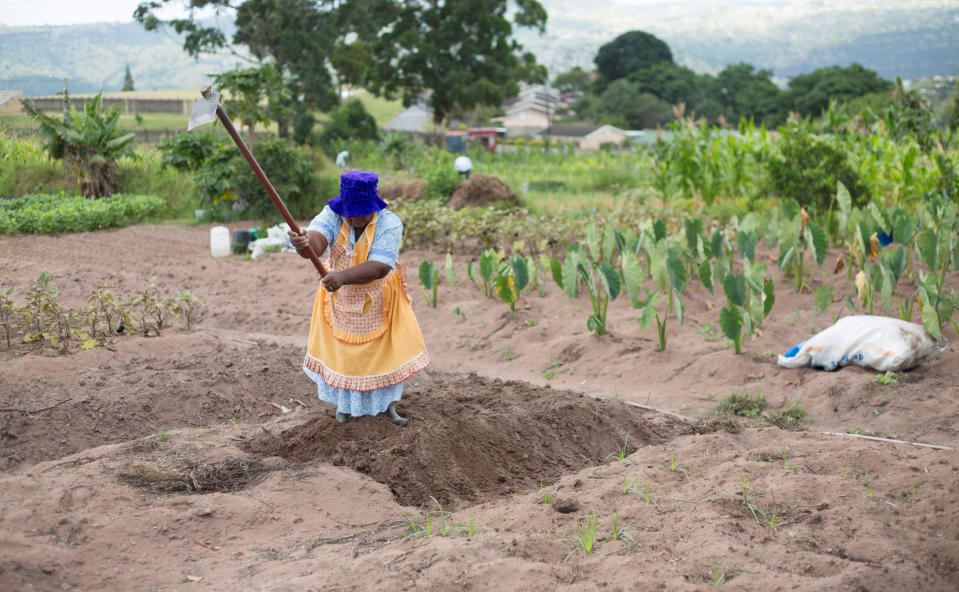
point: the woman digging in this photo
(364, 339)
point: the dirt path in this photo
(294, 501)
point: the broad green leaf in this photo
(570, 277)
(593, 242)
(520, 267)
(748, 326)
(609, 242)
(659, 230)
(676, 271)
(716, 244)
(426, 274)
(450, 271)
(928, 248)
(734, 286)
(610, 279)
(930, 320)
(845, 202)
(769, 297)
(88, 344)
(731, 322)
(786, 257)
(694, 230)
(506, 289)
(886, 290)
(678, 308)
(489, 261)
(706, 275)
(790, 209)
(746, 242)
(556, 268)
(633, 276)
(816, 241)
(823, 298)
(903, 228)
(649, 310)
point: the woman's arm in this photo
(314, 239)
(363, 273)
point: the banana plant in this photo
(430, 278)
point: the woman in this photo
(364, 339)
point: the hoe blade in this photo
(204, 110)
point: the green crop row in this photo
(64, 213)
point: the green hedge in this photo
(41, 214)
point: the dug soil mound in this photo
(413, 189)
(473, 437)
(482, 190)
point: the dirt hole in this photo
(472, 438)
(168, 471)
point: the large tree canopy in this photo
(810, 93)
(462, 51)
(631, 51)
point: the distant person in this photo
(341, 159)
(463, 165)
(364, 339)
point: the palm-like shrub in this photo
(88, 142)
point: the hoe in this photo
(208, 108)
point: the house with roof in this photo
(530, 112)
(586, 137)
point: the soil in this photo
(517, 409)
(412, 189)
(482, 190)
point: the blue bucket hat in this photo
(358, 195)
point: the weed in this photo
(772, 519)
(622, 451)
(708, 332)
(647, 493)
(742, 404)
(510, 355)
(791, 415)
(719, 578)
(886, 379)
(163, 434)
(515, 494)
(547, 494)
(782, 453)
(468, 530)
(442, 516)
(312, 542)
(422, 529)
(877, 412)
(769, 353)
(461, 314)
(914, 494)
(674, 460)
(234, 420)
(549, 374)
(586, 536)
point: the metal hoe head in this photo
(204, 110)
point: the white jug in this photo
(220, 241)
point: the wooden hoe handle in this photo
(263, 179)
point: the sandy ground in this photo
(516, 408)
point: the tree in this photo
(88, 142)
(628, 53)
(127, 81)
(351, 121)
(809, 94)
(462, 51)
(745, 92)
(256, 95)
(575, 80)
(623, 103)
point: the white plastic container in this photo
(220, 241)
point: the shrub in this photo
(63, 213)
(807, 169)
(289, 169)
(742, 404)
(350, 122)
(187, 152)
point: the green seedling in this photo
(442, 516)
(647, 492)
(515, 494)
(510, 355)
(886, 379)
(429, 277)
(468, 530)
(546, 493)
(782, 453)
(234, 420)
(868, 485)
(450, 272)
(674, 460)
(914, 495)
(772, 519)
(549, 374)
(420, 529)
(163, 434)
(312, 542)
(719, 578)
(791, 415)
(622, 451)
(586, 535)
(845, 472)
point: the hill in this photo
(912, 39)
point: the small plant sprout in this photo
(515, 494)
(510, 355)
(442, 515)
(468, 529)
(586, 535)
(845, 472)
(742, 404)
(623, 451)
(625, 484)
(163, 434)
(547, 494)
(782, 454)
(886, 379)
(719, 578)
(674, 460)
(914, 494)
(868, 485)
(429, 277)
(312, 542)
(420, 529)
(647, 492)
(772, 519)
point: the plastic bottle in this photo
(220, 241)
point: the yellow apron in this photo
(364, 337)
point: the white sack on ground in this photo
(881, 343)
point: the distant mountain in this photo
(907, 38)
(37, 59)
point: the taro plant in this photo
(749, 299)
(429, 277)
(489, 265)
(669, 274)
(7, 311)
(799, 236)
(937, 248)
(450, 272)
(600, 278)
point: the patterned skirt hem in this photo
(367, 383)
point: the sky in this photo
(73, 12)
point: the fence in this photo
(174, 106)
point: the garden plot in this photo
(500, 481)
